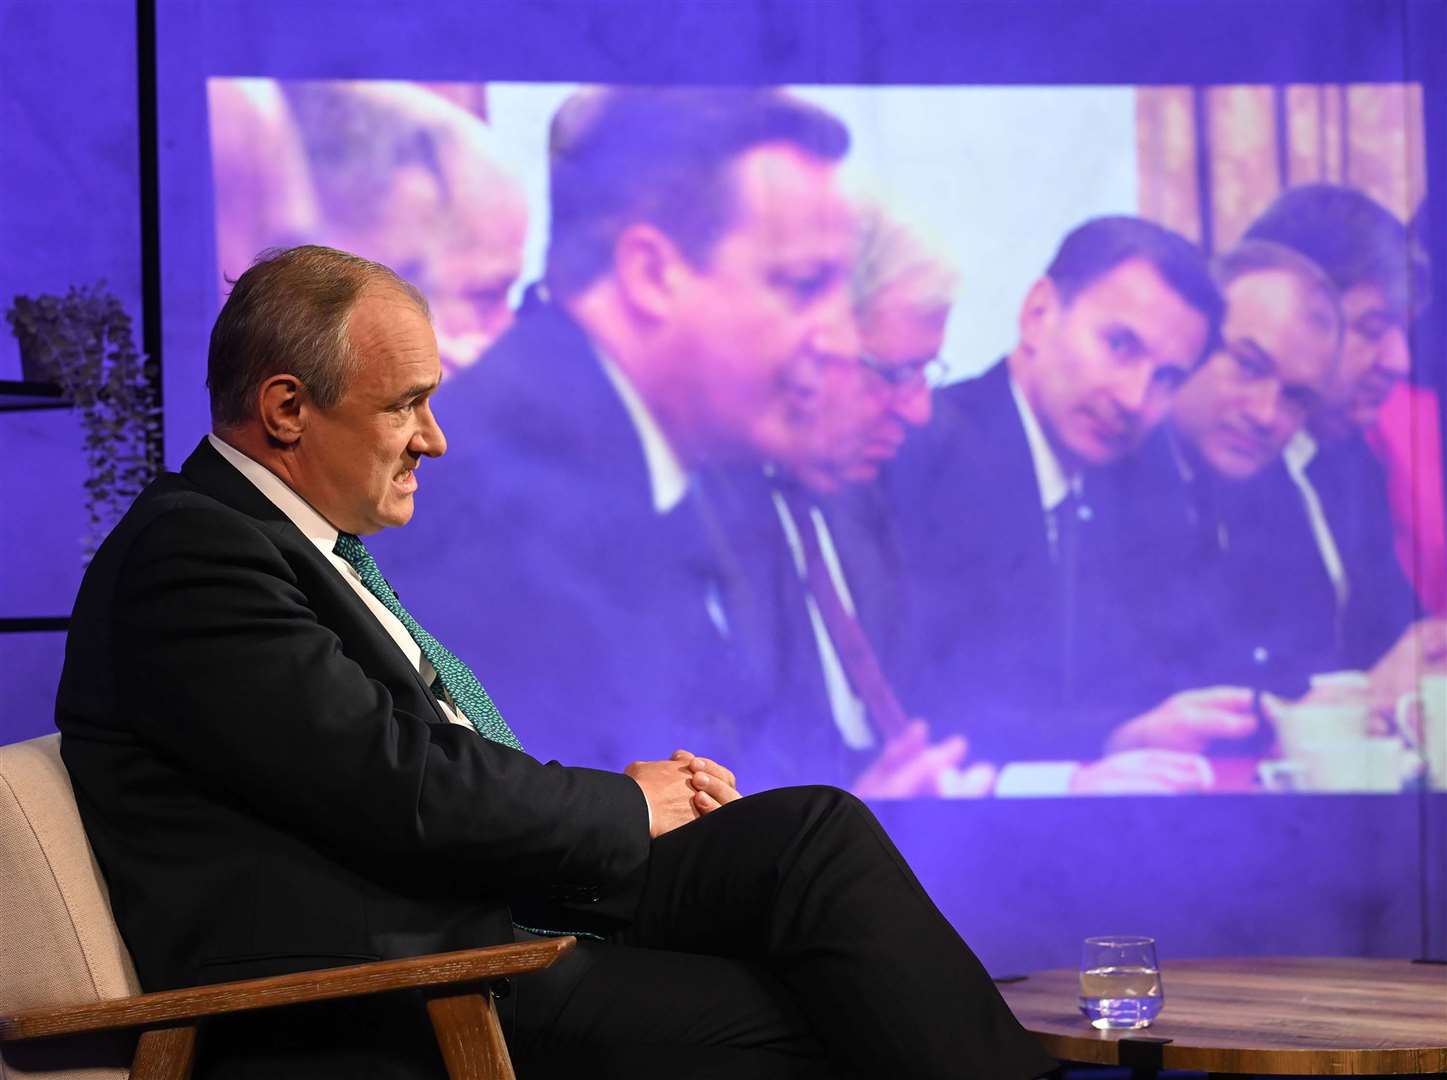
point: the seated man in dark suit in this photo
(1229, 586)
(1006, 515)
(279, 769)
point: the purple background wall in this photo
(69, 198)
(1023, 880)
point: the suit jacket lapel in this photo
(214, 475)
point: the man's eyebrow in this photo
(416, 390)
(1252, 346)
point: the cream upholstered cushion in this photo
(58, 940)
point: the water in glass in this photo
(1120, 982)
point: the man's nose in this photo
(1263, 404)
(1132, 387)
(428, 440)
(1394, 354)
(914, 403)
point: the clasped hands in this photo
(682, 788)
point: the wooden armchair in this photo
(59, 943)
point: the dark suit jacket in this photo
(1380, 603)
(266, 782)
(1242, 593)
(536, 550)
(1009, 641)
(796, 739)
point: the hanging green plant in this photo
(83, 341)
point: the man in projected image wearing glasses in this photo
(815, 605)
(1381, 279)
(1007, 517)
(1212, 596)
(1260, 579)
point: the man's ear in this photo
(284, 404)
(648, 267)
(1039, 312)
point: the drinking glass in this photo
(1120, 982)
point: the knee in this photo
(824, 805)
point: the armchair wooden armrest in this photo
(463, 1015)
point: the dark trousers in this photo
(781, 936)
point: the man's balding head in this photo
(290, 313)
(322, 368)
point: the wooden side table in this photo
(1273, 1016)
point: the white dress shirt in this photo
(845, 707)
(1050, 475)
(667, 478)
(1299, 453)
(324, 534)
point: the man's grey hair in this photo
(290, 314)
(887, 251)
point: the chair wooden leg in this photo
(165, 1053)
(470, 1035)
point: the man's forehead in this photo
(388, 329)
(1369, 298)
(1135, 295)
(788, 195)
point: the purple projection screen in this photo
(1097, 463)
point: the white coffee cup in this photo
(1316, 721)
(1427, 733)
(1332, 764)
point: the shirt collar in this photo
(1055, 483)
(313, 526)
(667, 478)
(1299, 451)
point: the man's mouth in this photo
(1375, 388)
(883, 447)
(1245, 446)
(407, 479)
(1114, 435)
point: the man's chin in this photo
(1098, 453)
(397, 513)
(1365, 413)
(818, 481)
(1234, 467)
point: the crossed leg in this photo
(784, 925)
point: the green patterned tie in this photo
(452, 674)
